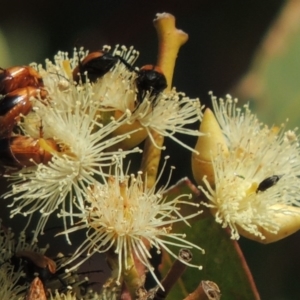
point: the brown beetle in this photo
(23, 151)
(96, 64)
(19, 77)
(15, 103)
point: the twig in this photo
(170, 39)
(206, 290)
(176, 270)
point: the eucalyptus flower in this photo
(256, 186)
(11, 275)
(72, 119)
(9, 283)
(63, 296)
(124, 216)
(169, 115)
(165, 114)
(10, 243)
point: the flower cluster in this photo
(87, 123)
(77, 121)
(83, 123)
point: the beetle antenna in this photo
(59, 75)
(127, 65)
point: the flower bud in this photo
(286, 217)
(208, 146)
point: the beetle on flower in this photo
(252, 179)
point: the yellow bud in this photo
(288, 222)
(208, 146)
(170, 39)
(67, 68)
(135, 137)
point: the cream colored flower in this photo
(166, 114)
(170, 115)
(258, 178)
(9, 287)
(73, 120)
(63, 296)
(10, 274)
(123, 214)
(11, 243)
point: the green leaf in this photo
(280, 78)
(272, 82)
(5, 59)
(223, 262)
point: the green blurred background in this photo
(225, 39)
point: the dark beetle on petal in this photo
(96, 64)
(150, 79)
(267, 183)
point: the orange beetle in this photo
(15, 103)
(19, 77)
(24, 151)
